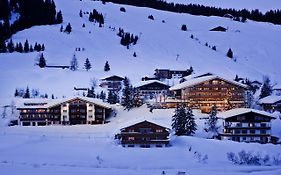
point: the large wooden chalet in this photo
(71, 111)
(112, 83)
(152, 89)
(247, 125)
(204, 91)
(144, 134)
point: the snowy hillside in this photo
(262, 5)
(161, 45)
(93, 150)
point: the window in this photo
(244, 131)
(263, 131)
(145, 130)
(251, 125)
(252, 131)
(263, 124)
(64, 111)
(90, 116)
(159, 130)
(90, 110)
(131, 138)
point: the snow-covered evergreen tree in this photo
(249, 99)
(27, 93)
(183, 122)
(87, 64)
(266, 88)
(42, 61)
(74, 63)
(127, 94)
(106, 67)
(229, 53)
(212, 123)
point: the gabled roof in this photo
(270, 99)
(219, 28)
(113, 76)
(144, 121)
(47, 103)
(200, 79)
(240, 111)
(143, 83)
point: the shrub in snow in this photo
(151, 17)
(183, 27)
(122, 9)
(200, 158)
(249, 158)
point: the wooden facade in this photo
(168, 74)
(212, 90)
(72, 111)
(152, 88)
(248, 126)
(144, 134)
(112, 83)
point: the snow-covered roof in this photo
(239, 111)
(112, 75)
(47, 103)
(140, 120)
(142, 83)
(197, 80)
(270, 99)
(277, 87)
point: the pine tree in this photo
(106, 67)
(127, 100)
(26, 46)
(16, 93)
(214, 48)
(87, 65)
(20, 48)
(102, 95)
(11, 46)
(110, 97)
(183, 122)
(59, 18)
(53, 97)
(81, 13)
(43, 47)
(266, 88)
(211, 123)
(27, 93)
(68, 28)
(42, 61)
(229, 53)
(74, 63)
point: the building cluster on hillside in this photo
(200, 92)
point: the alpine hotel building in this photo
(72, 111)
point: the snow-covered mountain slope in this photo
(161, 45)
(262, 5)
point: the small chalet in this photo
(112, 83)
(271, 103)
(71, 111)
(144, 134)
(218, 29)
(247, 125)
(204, 91)
(169, 74)
(152, 88)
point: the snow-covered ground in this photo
(262, 5)
(161, 45)
(92, 150)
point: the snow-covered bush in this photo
(250, 158)
(201, 158)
